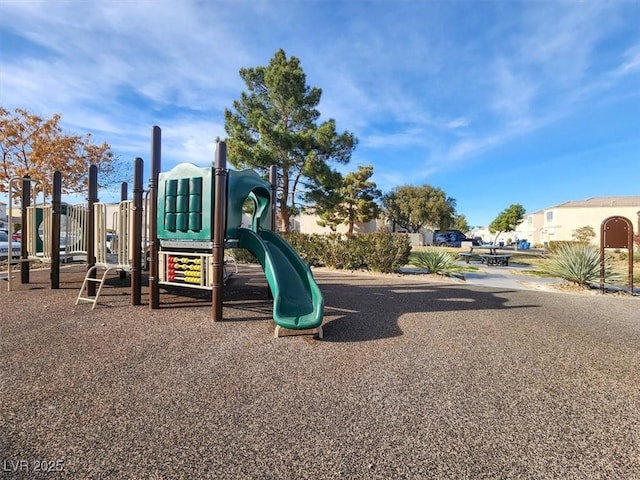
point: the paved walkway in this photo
(510, 277)
(513, 276)
(501, 277)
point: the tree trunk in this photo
(284, 214)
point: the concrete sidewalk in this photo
(514, 277)
(510, 277)
(498, 277)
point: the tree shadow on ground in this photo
(362, 308)
(358, 307)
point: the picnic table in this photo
(491, 258)
(488, 246)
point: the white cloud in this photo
(193, 142)
(420, 78)
(413, 136)
(631, 62)
(513, 95)
(456, 123)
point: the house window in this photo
(530, 220)
(550, 216)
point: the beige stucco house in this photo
(560, 221)
(308, 223)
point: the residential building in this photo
(308, 223)
(560, 222)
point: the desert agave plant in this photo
(579, 263)
(436, 261)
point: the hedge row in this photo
(379, 252)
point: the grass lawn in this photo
(520, 257)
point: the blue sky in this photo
(495, 101)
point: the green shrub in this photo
(385, 252)
(381, 251)
(349, 253)
(579, 263)
(310, 247)
(243, 256)
(554, 245)
(436, 261)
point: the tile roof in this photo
(629, 201)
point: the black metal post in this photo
(154, 288)
(92, 199)
(124, 191)
(56, 204)
(24, 252)
(273, 179)
(136, 267)
(219, 222)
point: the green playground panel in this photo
(245, 184)
(185, 203)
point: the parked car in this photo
(4, 246)
(111, 242)
(451, 238)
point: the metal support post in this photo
(219, 222)
(136, 264)
(56, 210)
(91, 228)
(154, 287)
(273, 179)
(24, 251)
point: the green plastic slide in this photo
(297, 300)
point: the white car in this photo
(4, 246)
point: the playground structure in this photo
(198, 212)
(84, 233)
(193, 214)
(38, 223)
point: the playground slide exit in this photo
(297, 300)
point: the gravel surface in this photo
(414, 379)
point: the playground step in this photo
(100, 281)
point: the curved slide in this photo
(297, 301)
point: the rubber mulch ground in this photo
(414, 379)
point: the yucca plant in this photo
(579, 263)
(436, 261)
